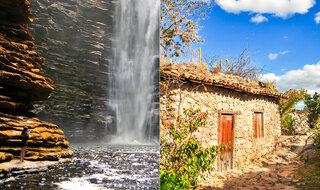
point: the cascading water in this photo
(133, 69)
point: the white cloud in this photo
(317, 18)
(284, 52)
(278, 8)
(269, 77)
(258, 19)
(273, 56)
(307, 78)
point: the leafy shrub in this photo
(316, 139)
(287, 126)
(183, 159)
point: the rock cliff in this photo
(75, 38)
(21, 83)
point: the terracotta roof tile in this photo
(227, 81)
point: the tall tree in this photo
(313, 106)
(287, 106)
(294, 96)
(179, 24)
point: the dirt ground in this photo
(278, 170)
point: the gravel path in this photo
(274, 171)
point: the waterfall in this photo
(133, 68)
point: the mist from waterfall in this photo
(133, 69)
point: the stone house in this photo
(242, 112)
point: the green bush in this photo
(287, 124)
(316, 139)
(183, 159)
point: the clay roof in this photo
(227, 81)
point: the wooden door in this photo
(226, 131)
(257, 125)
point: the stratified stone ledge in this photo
(15, 167)
(47, 141)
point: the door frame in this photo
(220, 125)
(262, 127)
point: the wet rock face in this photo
(21, 83)
(74, 36)
(21, 79)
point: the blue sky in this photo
(282, 36)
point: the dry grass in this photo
(309, 173)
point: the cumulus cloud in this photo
(308, 78)
(317, 18)
(273, 56)
(269, 77)
(278, 8)
(258, 19)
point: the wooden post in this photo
(200, 56)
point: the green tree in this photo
(313, 106)
(179, 24)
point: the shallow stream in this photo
(95, 167)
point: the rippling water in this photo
(98, 167)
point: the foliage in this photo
(287, 106)
(179, 24)
(309, 172)
(294, 96)
(313, 106)
(184, 159)
(287, 125)
(316, 139)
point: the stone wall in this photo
(217, 100)
(301, 121)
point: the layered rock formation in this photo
(74, 36)
(21, 83)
